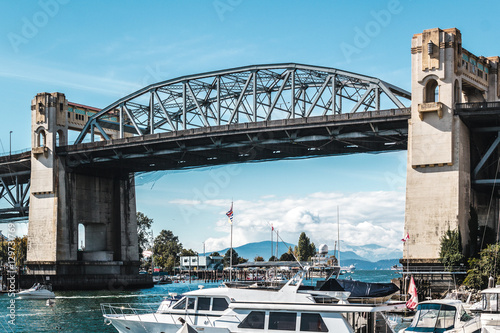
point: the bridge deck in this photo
(375, 131)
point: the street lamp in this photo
(10, 143)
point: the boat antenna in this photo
(338, 234)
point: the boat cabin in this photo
(442, 316)
(283, 321)
(193, 304)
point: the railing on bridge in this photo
(477, 106)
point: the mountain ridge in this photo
(263, 249)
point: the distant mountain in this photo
(380, 257)
(374, 252)
(251, 250)
(369, 265)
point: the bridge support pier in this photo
(82, 227)
(440, 191)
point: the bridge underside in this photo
(369, 132)
(15, 172)
(483, 121)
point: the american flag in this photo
(230, 214)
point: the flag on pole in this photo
(405, 238)
(229, 214)
(412, 290)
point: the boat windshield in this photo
(489, 303)
(433, 318)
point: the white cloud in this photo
(365, 218)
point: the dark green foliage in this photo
(143, 232)
(273, 258)
(451, 249)
(258, 258)
(227, 257)
(188, 253)
(488, 264)
(288, 256)
(305, 248)
(166, 250)
(215, 254)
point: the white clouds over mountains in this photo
(365, 218)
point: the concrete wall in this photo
(438, 190)
(61, 199)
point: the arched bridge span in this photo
(257, 112)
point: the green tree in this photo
(144, 224)
(215, 254)
(450, 253)
(258, 258)
(188, 253)
(273, 258)
(305, 249)
(227, 257)
(483, 267)
(20, 250)
(288, 256)
(166, 250)
(242, 260)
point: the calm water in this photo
(79, 311)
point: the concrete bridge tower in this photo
(82, 226)
(439, 189)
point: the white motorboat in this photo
(224, 309)
(440, 316)
(347, 269)
(489, 309)
(37, 291)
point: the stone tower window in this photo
(431, 91)
(41, 139)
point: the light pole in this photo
(10, 143)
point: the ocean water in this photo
(80, 311)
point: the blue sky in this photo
(98, 51)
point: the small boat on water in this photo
(37, 291)
(347, 269)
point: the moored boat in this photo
(489, 310)
(442, 316)
(226, 309)
(37, 291)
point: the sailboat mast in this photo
(338, 233)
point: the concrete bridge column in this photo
(61, 200)
(438, 190)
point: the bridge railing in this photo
(6, 153)
(439, 269)
(477, 106)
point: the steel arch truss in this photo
(15, 191)
(241, 95)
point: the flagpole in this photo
(231, 255)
